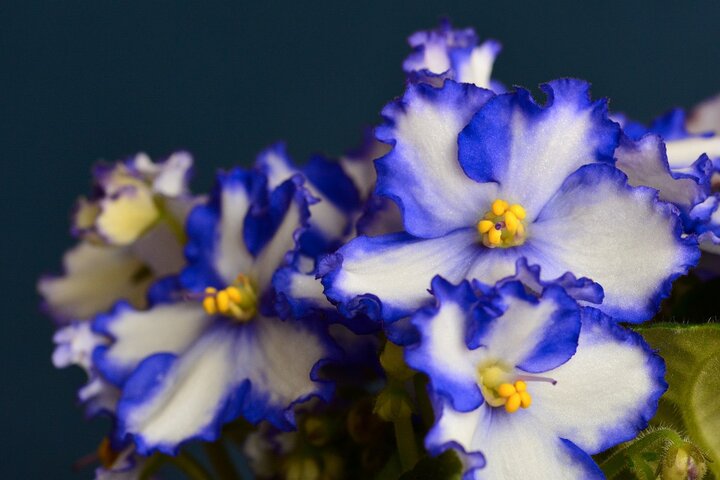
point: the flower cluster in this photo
(459, 295)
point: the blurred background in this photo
(87, 80)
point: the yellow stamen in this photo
(511, 222)
(506, 390)
(484, 226)
(494, 236)
(209, 305)
(234, 294)
(223, 301)
(499, 207)
(513, 403)
(502, 225)
(519, 211)
(238, 301)
(520, 386)
(525, 400)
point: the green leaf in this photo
(704, 426)
(443, 467)
(692, 355)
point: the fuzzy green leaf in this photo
(692, 355)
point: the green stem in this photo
(152, 465)
(221, 461)
(617, 462)
(190, 466)
(640, 465)
(405, 439)
(423, 400)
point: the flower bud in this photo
(393, 403)
(683, 463)
(302, 468)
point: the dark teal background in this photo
(84, 80)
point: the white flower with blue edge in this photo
(446, 52)
(130, 233)
(214, 350)
(483, 180)
(529, 386)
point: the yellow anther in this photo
(238, 301)
(519, 211)
(494, 236)
(525, 400)
(513, 403)
(484, 226)
(209, 305)
(520, 386)
(506, 390)
(234, 294)
(502, 225)
(511, 222)
(223, 301)
(499, 207)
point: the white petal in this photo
(172, 178)
(620, 237)
(127, 214)
(645, 163)
(398, 268)
(514, 445)
(231, 255)
(192, 398)
(96, 277)
(604, 394)
(477, 69)
(683, 153)
(705, 117)
(165, 328)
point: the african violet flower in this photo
(130, 233)
(451, 53)
(529, 386)
(210, 349)
(483, 180)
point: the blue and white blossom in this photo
(483, 180)
(529, 386)
(446, 52)
(211, 349)
(130, 234)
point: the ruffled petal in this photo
(645, 163)
(170, 177)
(215, 250)
(682, 154)
(335, 195)
(421, 172)
(513, 445)
(527, 332)
(137, 334)
(127, 214)
(388, 277)
(705, 117)
(250, 370)
(530, 150)
(581, 289)
(620, 237)
(607, 392)
(273, 231)
(443, 353)
(95, 278)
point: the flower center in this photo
(501, 386)
(502, 225)
(238, 301)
